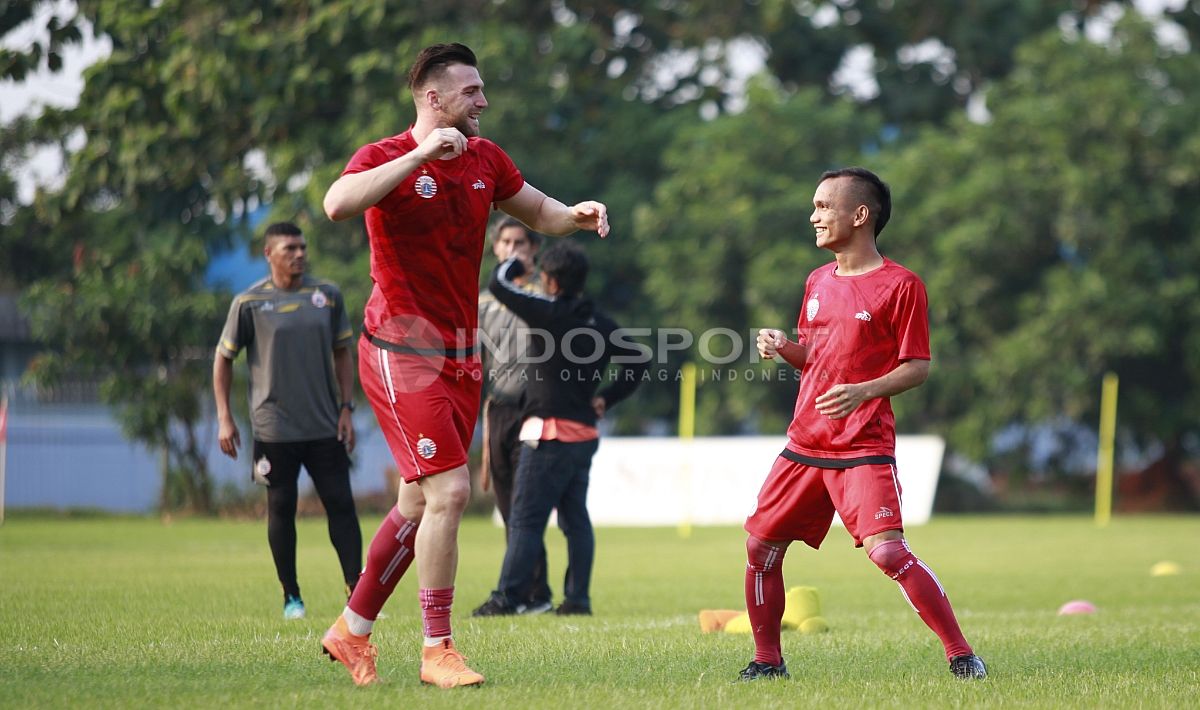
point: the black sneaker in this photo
(495, 605)
(573, 609)
(968, 667)
(758, 671)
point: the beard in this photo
(467, 127)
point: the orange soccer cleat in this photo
(442, 665)
(357, 653)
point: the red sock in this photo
(389, 556)
(765, 598)
(923, 591)
(435, 611)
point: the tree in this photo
(726, 242)
(60, 31)
(135, 319)
(202, 112)
(1059, 241)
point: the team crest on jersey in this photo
(811, 308)
(426, 187)
(426, 449)
(318, 298)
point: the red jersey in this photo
(856, 328)
(427, 237)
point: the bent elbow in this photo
(922, 372)
(334, 210)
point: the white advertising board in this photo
(639, 481)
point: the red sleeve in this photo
(369, 156)
(508, 179)
(910, 320)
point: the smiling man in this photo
(863, 338)
(426, 195)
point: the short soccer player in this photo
(426, 195)
(863, 337)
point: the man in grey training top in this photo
(297, 337)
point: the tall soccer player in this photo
(863, 337)
(426, 195)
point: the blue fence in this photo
(74, 456)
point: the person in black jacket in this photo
(571, 346)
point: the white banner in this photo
(638, 481)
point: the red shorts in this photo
(797, 502)
(426, 406)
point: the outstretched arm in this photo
(549, 216)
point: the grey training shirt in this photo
(289, 337)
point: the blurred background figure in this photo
(504, 357)
(558, 422)
(297, 340)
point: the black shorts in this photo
(278, 463)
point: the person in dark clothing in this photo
(562, 406)
(504, 370)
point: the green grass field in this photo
(116, 612)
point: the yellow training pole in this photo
(687, 430)
(687, 401)
(1104, 456)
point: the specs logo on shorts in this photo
(863, 315)
(426, 449)
(426, 187)
(812, 307)
(318, 299)
(479, 185)
(884, 512)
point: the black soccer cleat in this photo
(968, 667)
(759, 671)
(495, 605)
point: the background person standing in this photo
(297, 340)
(558, 428)
(504, 359)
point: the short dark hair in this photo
(534, 238)
(282, 229)
(433, 60)
(868, 189)
(567, 264)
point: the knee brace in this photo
(893, 557)
(763, 557)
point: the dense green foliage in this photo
(1067, 244)
(1058, 237)
(133, 613)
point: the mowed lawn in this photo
(119, 612)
